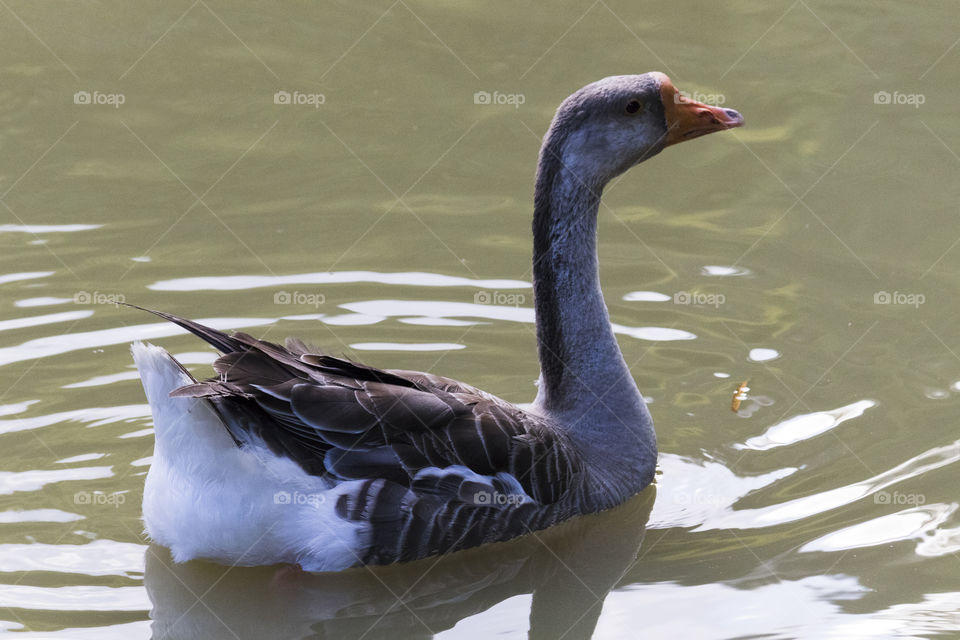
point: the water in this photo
(814, 249)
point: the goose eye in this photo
(634, 106)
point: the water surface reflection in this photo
(563, 575)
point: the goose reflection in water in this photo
(569, 570)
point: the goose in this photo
(293, 456)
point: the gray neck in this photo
(584, 382)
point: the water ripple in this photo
(16, 481)
(824, 501)
(97, 558)
(805, 426)
(406, 278)
(442, 309)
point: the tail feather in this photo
(218, 339)
(187, 429)
(159, 371)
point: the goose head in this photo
(613, 124)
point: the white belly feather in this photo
(205, 497)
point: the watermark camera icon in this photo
(81, 97)
(281, 97)
(482, 97)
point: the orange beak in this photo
(688, 119)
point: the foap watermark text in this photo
(306, 298)
(715, 99)
(899, 298)
(696, 298)
(910, 99)
(99, 498)
(497, 499)
(298, 498)
(98, 297)
(898, 498)
(99, 98)
(299, 98)
(498, 98)
(499, 298)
